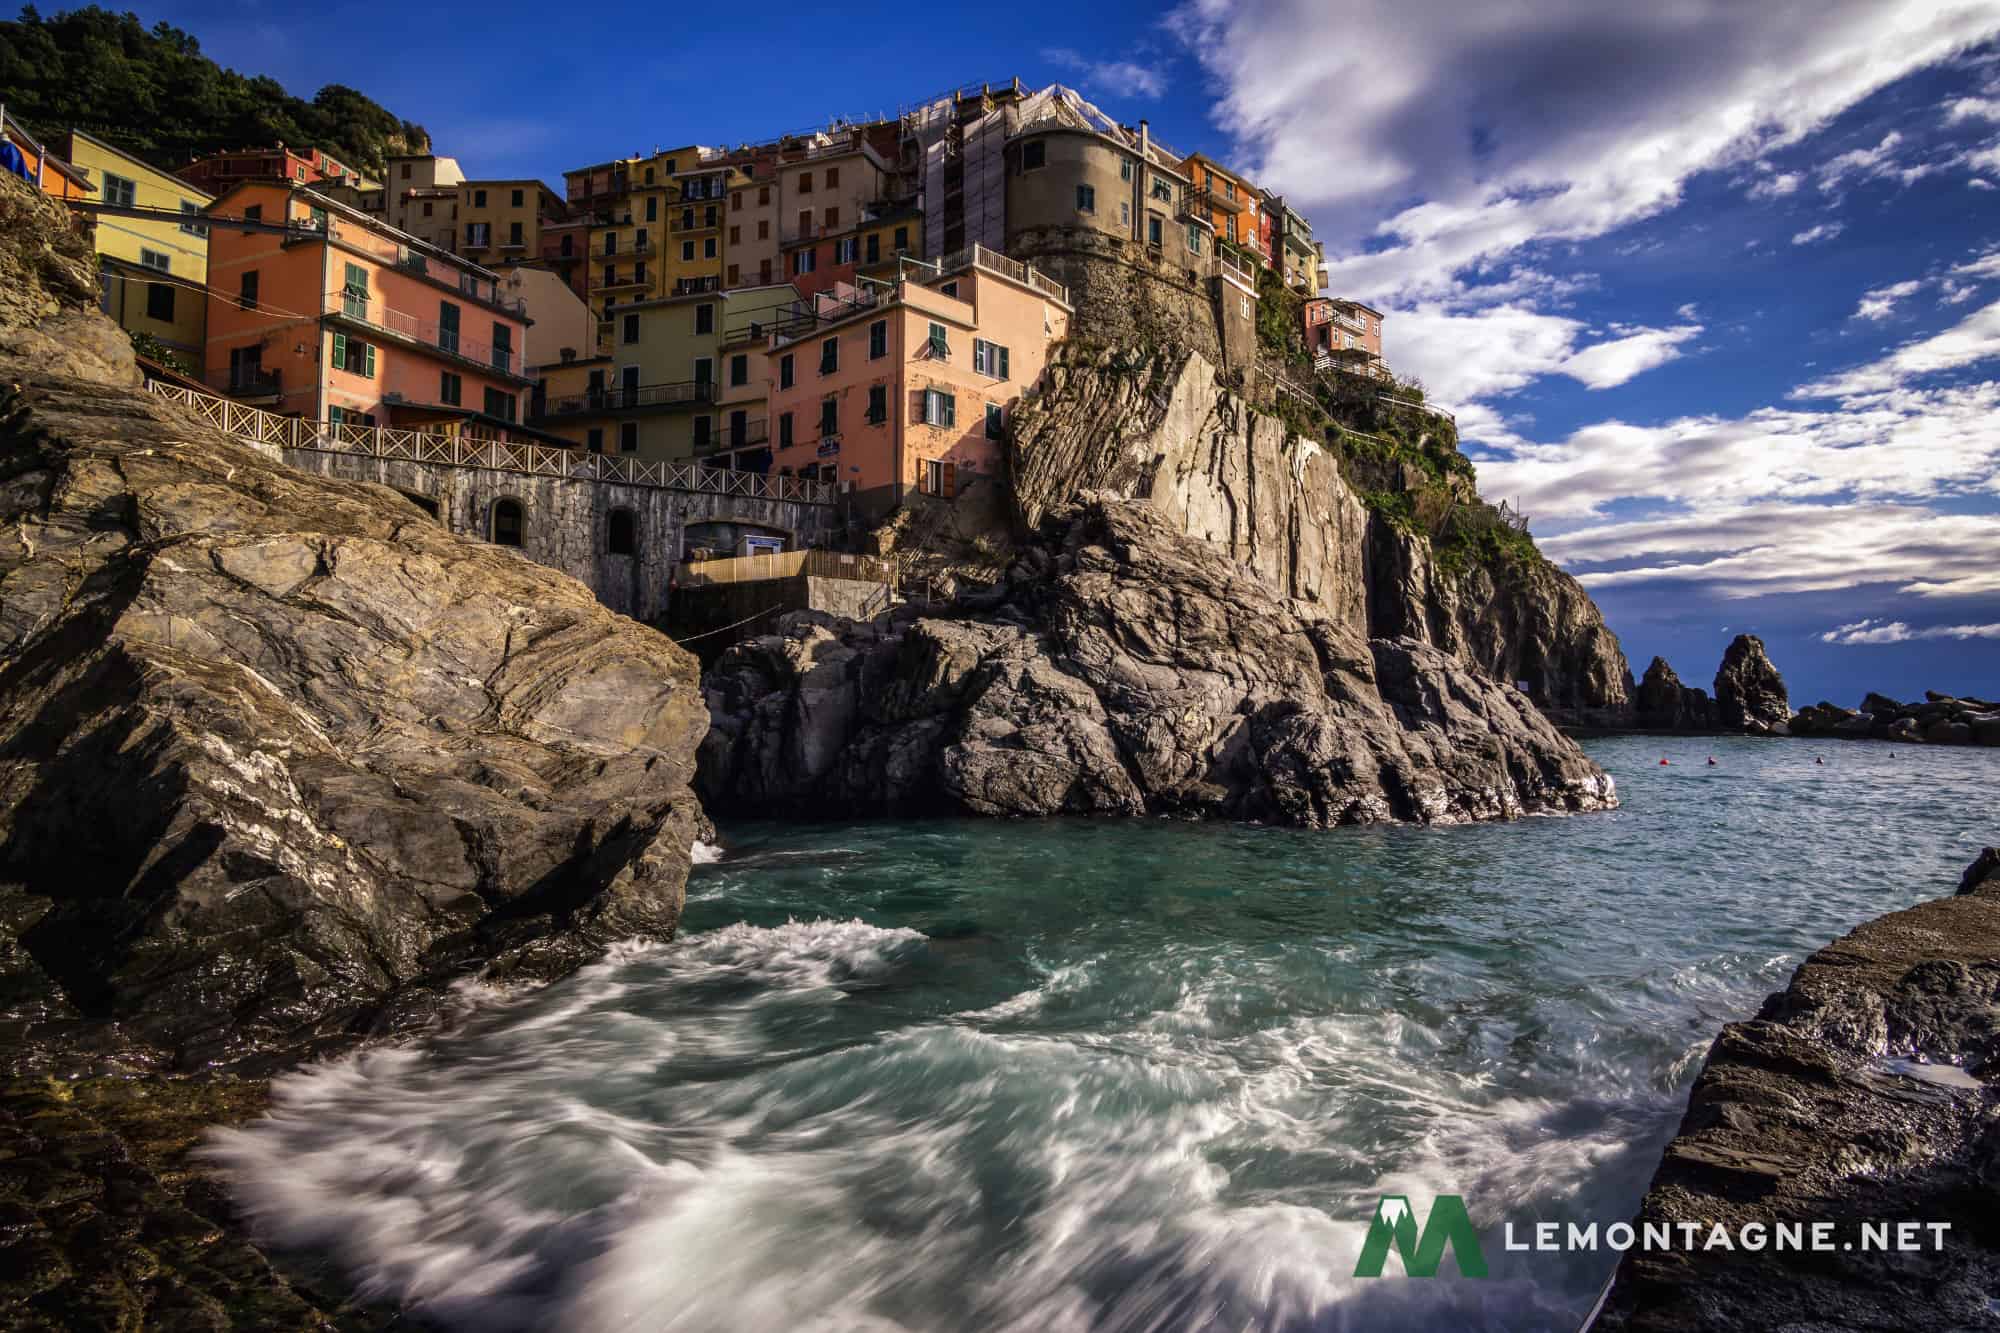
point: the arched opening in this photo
(426, 503)
(568, 245)
(509, 521)
(622, 534)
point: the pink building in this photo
(908, 387)
(1344, 334)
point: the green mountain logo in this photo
(1395, 1227)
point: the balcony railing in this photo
(978, 256)
(698, 222)
(377, 315)
(619, 398)
(256, 384)
(611, 283)
(809, 231)
(695, 286)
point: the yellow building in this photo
(698, 215)
(625, 205)
(500, 221)
(153, 269)
(684, 378)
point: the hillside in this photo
(152, 92)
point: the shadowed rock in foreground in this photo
(1126, 668)
(1863, 1092)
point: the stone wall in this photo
(565, 521)
(1122, 295)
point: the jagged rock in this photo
(1880, 703)
(1858, 1094)
(1940, 720)
(1662, 703)
(279, 755)
(1128, 669)
(1749, 693)
(1161, 426)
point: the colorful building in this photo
(1064, 170)
(151, 242)
(822, 197)
(1344, 335)
(624, 202)
(420, 197)
(678, 371)
(321, 311)
(1294, 252)
(1231, 204)
(696, 223)
(500, 221)
(909, 387)
(750, 246)
(217, 172)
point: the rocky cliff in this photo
(1941, 719)
(279, 759)
(1749, 694)
(1662, 703)
(1124, 667)
(1163, 426)
(1862, 1093)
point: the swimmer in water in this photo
(1711, 761)
(1819, 761)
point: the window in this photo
(621, 533)
(1124, 214)
(628, 437)
(192, 228)
(253, 213)
(949, 289)
(734, 277)
(847, 250)
(784, 430)
(940, 408)
(831, 219)
(119, 191)
(477, 234)
(631, 330)
(902, 238)
(1229, 189)
(246, 294)
(1194, 240)
(832, 177)
(687, 250)
(829, 356)
(593, 439)
(1155, 232)
(1163, 189)
(785, 371)
(451, 389)
(704, 432)
(708, 248)
(937, 345)
(160, 301)
(764, 272)
(1034, 155)
(989, 358)
(704, 370)
(874, 247)
(353, 356)
(1125, 169)
(427, 208)
(829, 417)
(514, 234)
(354, 293)
(708, 216)
(805, 182)
(764, 230)
(763, 195)
(652, 208)
(739, 370)
(639, 272)
(687, 219)
(507, 522)
(447, 326)
(518, 199)
(500, 403)
(878, 340)
(479, 198)
(996, 422)
(805, 261)
(154, 260)
(935, 476)
(878, 404)
(406, 171)
(1086, 199)
(739, 428)
(610, 242)
(704, 318)
(610, 280)
(246, 366)
(735, 234)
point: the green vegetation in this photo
(1479, 535)
(150, 347)
(153, 93)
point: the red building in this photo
(217, 172)
(1345, 335)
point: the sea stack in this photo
(1749, 693)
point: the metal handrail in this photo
(268, 431)
(617, 398)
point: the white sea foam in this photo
(705, 853)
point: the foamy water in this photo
(1104, 1076)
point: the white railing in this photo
(977, 255)
(257, 427)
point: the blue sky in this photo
(1714, 287)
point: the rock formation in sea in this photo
(1862, 1093)
(1749, 692)
(1941, 719)
(1662, 703)
(280, 758)
(1124, 667)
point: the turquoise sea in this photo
(1077, 1075)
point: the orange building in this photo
(908, 387)
(325, 312)
(50, 173)
(1231, 204)
(309, 166)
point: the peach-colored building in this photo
(908, 387)
(1344, 334)
(330, 314)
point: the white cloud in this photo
(1985, 266)
(1881, 303)
(1878, 163)
(1688, 312)
(1513, 130)
(1971, 108)
(1978, 184)
(1825, 231)
(1953, 292)
(1116, 78)
(1973, 339)
(1897, 631)
(1608, 364)
(1777, 186)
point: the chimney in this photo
(1145, 141)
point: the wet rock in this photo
(1940, 720)
(1129, 669)
(1662, 703)
(1749, 693)
(1889, 1039)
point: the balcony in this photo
(255, 384)
(596, 402)
(698, 223)
(619, 282)
(696, 286)
(491, 358)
